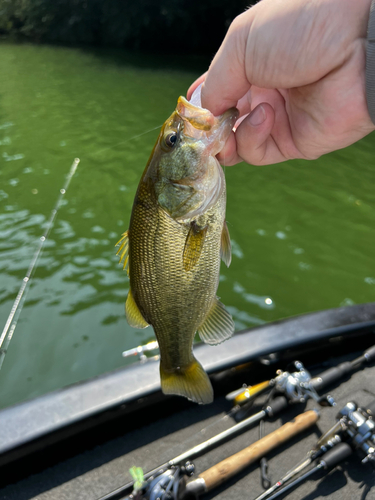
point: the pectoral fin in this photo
(124, 249)
(133, 314)
(218, 325)
(226, 248)
(193, 246)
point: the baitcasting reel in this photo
(165, 486)
(360, 427)
(298, 386)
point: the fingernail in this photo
(257, 116)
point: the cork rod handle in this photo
(230, 466)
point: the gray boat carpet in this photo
(91, 474)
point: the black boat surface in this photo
(80, 442)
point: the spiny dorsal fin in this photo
(124, 249)
(133, 314)
(225, 248)
(193, 246)
(190, 381)
(218, 325)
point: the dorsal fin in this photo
(218, 325)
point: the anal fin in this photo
(191, 382)
(133, 314)
(217, 326)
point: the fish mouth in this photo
(202, 124)
(199, 118)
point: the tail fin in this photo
(190, 381)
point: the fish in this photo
(176, 238)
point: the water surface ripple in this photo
(303, 232)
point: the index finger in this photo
(226, 80)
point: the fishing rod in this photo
(299, 385)
(326, 442)
(275, 407)
(172, 484)
(11, 322)
(355, 425)
(140, 351)
(329, 460)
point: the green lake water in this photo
(303, 233)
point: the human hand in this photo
(296, 71)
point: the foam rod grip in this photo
(224, 470)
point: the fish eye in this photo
(171, 139)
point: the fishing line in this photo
(127, 140)
(15, 312)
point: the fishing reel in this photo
(298, 386)
(165, 486)
(360, 427)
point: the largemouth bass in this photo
(172, 249)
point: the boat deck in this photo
(99, 463)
